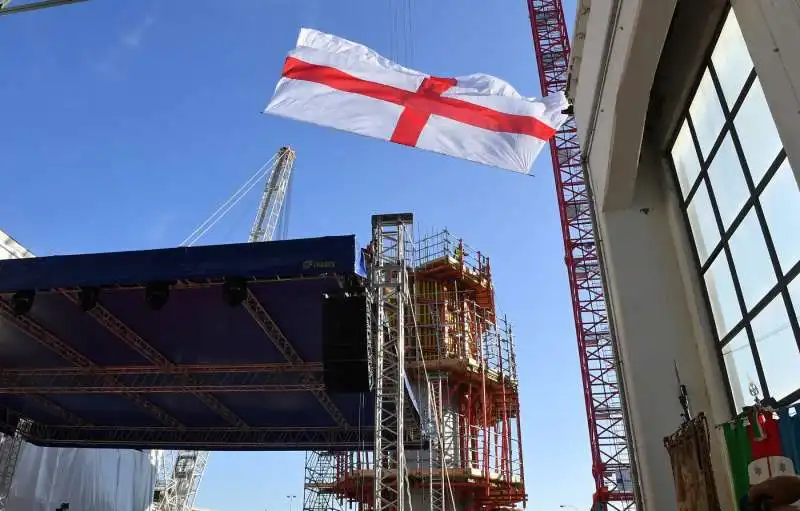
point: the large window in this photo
(742, 206)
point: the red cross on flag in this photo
(333, 82)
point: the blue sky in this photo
(126, 122)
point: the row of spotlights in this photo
(156, 296)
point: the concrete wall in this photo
(629, 82)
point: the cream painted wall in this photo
(659, 310)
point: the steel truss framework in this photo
(86, 377)
(604, 407)
(320, 476)
(179, 474)
(389, 292)
(10, 447)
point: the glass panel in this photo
(722, 295)
(751, 260)
(706, 113)
(731, 60)
(704, 225)
(777, 348)
(780, 201)
(741, 368)
(794, 293)
(728, 182)
(757, 132)
(685, 159)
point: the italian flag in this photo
(761, 446)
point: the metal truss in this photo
(52, 342)
(10, 448)
(152, 355)
(222, 438)
(608, 434)
(58, 410)
(389, 292)
(178, 477)
(320, 477)
(268, 325)
(132, 379)
(272, 199)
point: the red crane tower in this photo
(612, 463)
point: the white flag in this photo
(337, 83)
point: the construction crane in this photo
(613, 466)
(179, 472)
(613, 463)
(7, 8)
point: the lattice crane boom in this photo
(609, 442)
(180, 472)
(273, 197)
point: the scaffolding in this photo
(459, 355)
(178, 477)
(10, 448)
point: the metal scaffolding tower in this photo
(320, 477)
(389, 294)
(613, 467)
(10, 447)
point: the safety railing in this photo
(443, 246)
(494, 453)
(450, 325)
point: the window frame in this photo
(722, 248)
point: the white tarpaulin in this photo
(87, 479)
(333, 82)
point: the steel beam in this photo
(134, 341)
(268, 325)
(105, 388)
(183, 369)
(58, 410)
(84, 381)
(225, 438)
(52, 342)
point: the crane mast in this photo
(180, 472)
(273, 197)
(612, 464)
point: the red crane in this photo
(612, 466)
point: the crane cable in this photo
(437, 413)
(226, 206)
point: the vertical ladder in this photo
(437, 442)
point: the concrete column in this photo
(660, 321)
(771, 29)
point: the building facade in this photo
(688, 113)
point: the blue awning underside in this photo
(198, 373)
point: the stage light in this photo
(21, 302)
(87, 298)
(156, 295)
(234, 291)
